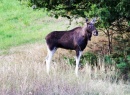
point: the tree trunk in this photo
(109, 42)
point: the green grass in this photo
(20, 24)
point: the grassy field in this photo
(22, 72)
(20, 24)
(23, 52)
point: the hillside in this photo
(20, 24)
(23, 53)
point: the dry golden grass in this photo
(22, 72)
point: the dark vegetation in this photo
(114, 23)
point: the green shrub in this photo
(121, 55)
(88, 57)
(108, 60)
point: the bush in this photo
(88, 57)
(121, 56)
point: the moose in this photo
(75, 39)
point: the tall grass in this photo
(23, 72)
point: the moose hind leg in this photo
(78, 55)
(48, 58)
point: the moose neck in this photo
(84, 29)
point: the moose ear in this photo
(93, 21)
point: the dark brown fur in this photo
(71, 39)
(75, 39)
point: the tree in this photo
(109, 11)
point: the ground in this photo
(23, 72)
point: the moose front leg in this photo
(78, 55)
